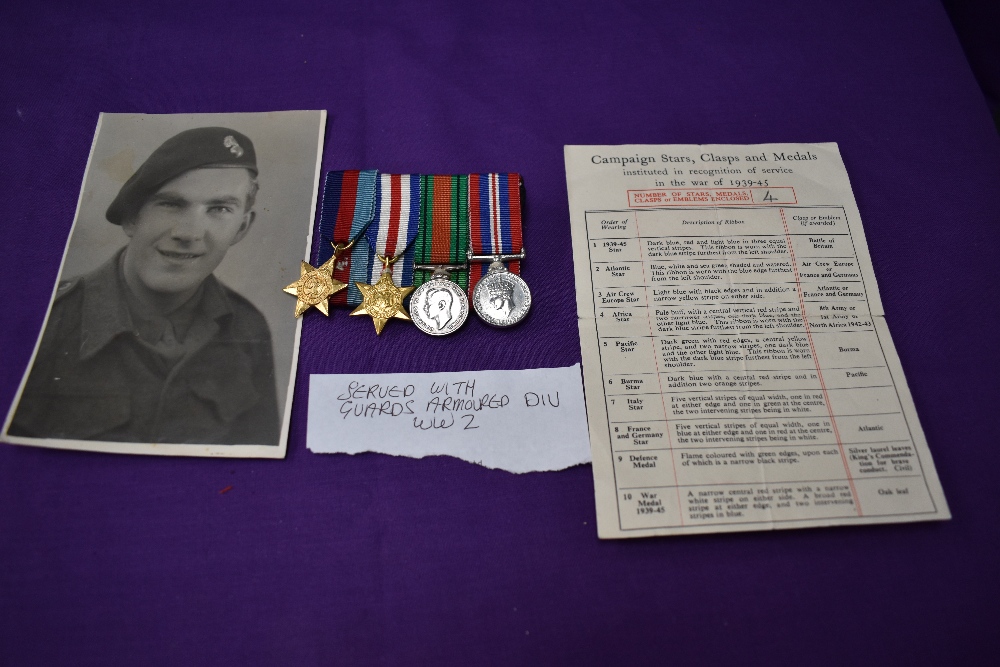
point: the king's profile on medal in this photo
(151, 347)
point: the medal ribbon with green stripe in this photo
(443, 237)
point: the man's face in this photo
(438, 307)
(184, 230)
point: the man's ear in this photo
(248, 219)
(128, 226)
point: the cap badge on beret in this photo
(195, 148)
(234, 148)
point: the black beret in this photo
(191, 149)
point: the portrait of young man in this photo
(148, 350)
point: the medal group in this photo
(447, 239)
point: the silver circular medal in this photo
(439, 307)
(501, 298)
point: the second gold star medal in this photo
(390, 239)
(440, 306)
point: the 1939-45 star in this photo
(314, 287)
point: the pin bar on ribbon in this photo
(494, 222)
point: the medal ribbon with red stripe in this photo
(392, 232)
(348, 209)
(494, 220)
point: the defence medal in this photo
(390, 239)
(501, 298)
(439, 306)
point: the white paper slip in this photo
(520, 421)
(738, 366)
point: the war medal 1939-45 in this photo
(440, 306)
(500, 297)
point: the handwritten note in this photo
(521, 421)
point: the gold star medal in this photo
(314, 287)
(383, 300)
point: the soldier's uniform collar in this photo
(105, 306)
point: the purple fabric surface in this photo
(370, 559)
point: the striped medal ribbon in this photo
(389, 276)
(347, 211)
(499, 295)
(394, 229)
(439, 306)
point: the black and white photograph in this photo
(168, 332)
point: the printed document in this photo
(738, 369)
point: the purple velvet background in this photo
(108, 559)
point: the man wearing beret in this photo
(151, 347)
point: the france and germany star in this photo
(383, 301)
